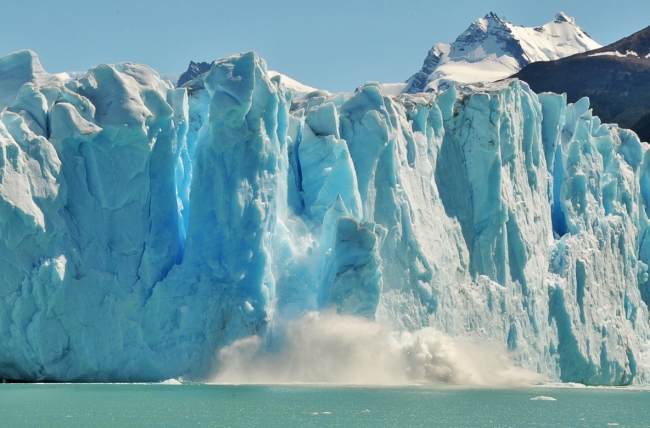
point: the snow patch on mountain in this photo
(616, 54)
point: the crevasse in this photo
(143, 227)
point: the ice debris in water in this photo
(543, 398)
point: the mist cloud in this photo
(336, 349)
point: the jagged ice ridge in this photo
(145, 227)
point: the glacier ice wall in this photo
(143, 228)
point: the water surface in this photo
(149, 405)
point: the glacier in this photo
(144, 228)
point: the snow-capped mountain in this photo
(492, 49)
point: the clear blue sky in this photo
(330, 44)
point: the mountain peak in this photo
(194, 70)
(481, 29)
(563, 17)
(493, 17)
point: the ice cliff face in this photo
(145, 227)
(492, 49)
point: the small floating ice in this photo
(612, 424)
(327, 413)
(543, 398)
(365, 411)
(171, 382)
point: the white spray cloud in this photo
(330, 348)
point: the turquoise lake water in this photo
(156, 405)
